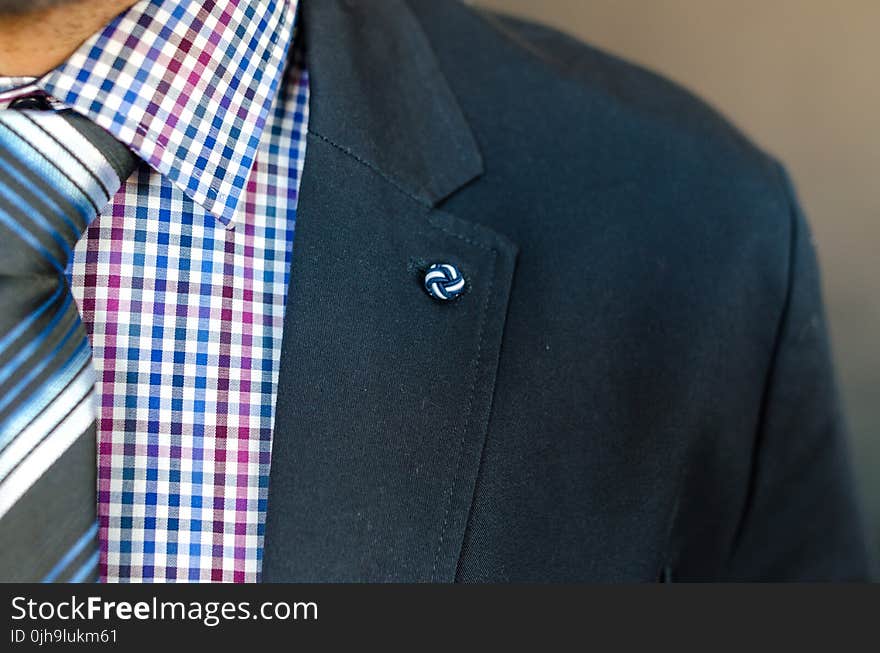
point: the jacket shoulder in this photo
(578, 138)
(629, 89)
(542, 100)
(573, 94)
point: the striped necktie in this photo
(57, 170)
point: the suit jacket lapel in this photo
(384, 393)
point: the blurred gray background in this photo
(801, 78)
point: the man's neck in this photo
(35, 42)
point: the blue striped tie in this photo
(57, 170)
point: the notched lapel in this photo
(385, 393)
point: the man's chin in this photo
(19, 7)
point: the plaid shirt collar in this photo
(169, 79)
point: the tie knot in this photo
(57, 171)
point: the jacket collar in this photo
(378, 93)
(188, 85)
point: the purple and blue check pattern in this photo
(182, 279)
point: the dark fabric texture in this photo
(636, 384)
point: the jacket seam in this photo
(469, 241)
(468, 416)
(391, 180)
(770, 376)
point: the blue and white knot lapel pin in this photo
(444, 281)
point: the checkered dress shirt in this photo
(182, 279)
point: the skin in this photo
(38, 35)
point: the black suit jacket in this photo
(636, 384)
